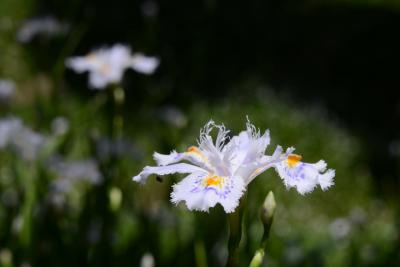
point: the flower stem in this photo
(267, 216)
(118, 121)
(235, 234)
(200, 254)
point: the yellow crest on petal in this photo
(292, 160)
(213, 180)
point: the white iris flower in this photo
(107, 65)
(220, 171)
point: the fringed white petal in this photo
(171, 158)
(164, 170)
(326, 179)
(193, 190)
(305, 176)
(193, 155)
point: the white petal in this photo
(214, 152)
(250, 171)
(193, 155)
(246, 149)
(326, 179)
(79, 64)
(8, 128)
(320, 165)
(305, 176)
(143, 64)
(98, 81)
(164, 170)
(163, 159)
(197, 196)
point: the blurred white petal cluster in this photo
(22, 139)
(70, 172)
(46, 26)
(107, 65)
(106, 147)
(59, 126)
(147, 260)
(173, 116)
(7, 89)
(220, 171)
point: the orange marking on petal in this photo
(104, 69)
(196, 151)
(292, 160)
(193, 149)
(214, 181)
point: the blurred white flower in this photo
(107, 65)
(106, 147)
(17, 224)
(22, 139)
(220, 173)
(358, 216)
(46, 26)
(70, 172)
(144, 64)
(7, 89)
(28, 143)
(173, 116)
(147, 260)
(340, 228)
(293, 254)
(59, 126)
(7, 127)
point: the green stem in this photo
(267, 217)
(118, 121)
(235, 234)
(200, 254)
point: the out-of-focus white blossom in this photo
(7, 89)
(46, 26)
(144, 64)
(20, 138)
(59, 126)
(147, 260)
(220, 172)
(70, 172)
(106, 148)
(340, 228)
(107, 65)
(7, 127)
(173, 116)
(28, 143)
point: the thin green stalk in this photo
(235, 234)
(200, 254)
(267, 216)
(27, 208)
(118, 121)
